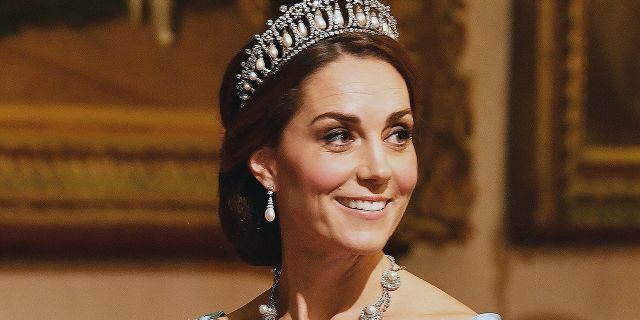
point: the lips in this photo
(363, 205)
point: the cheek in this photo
(407, 173)
(318, 173)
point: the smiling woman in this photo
(319, 117)
(345, 159)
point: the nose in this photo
(374, 167)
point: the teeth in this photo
(366, 205)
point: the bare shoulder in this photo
(418, 299)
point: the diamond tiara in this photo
(303, 25)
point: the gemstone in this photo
(338, 18)
(303, 29)
(287, 40)
(270, 214)
(393, 275)
(319, 20)
(283, 8)
(260, 64)
(361, 18)
(385, 27)
(246, 86)
(263, 309)
(273, 51)
(371, 310)
(375, 22)
(253, 76)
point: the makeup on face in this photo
(346, 165)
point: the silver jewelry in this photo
(303, 25)
(270, 212)
(269, 311)
(390, 281)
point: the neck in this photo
(320, 286)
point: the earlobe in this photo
(262, 166)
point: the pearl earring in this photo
(270, 213)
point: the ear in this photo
(262, 166)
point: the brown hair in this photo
(261, 122)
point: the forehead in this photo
(351, 83)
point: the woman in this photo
(318, 166)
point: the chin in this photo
(363, 243)
(362, 237)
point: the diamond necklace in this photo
(390, 281)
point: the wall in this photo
(124, 291)
(470, 272)
(575, 284)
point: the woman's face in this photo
(346, 165)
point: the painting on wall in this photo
(574, 169)
(106, 181)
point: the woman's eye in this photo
(400, 136)
(338, 137)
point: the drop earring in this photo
(270, 213)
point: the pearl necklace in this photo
(390, 281)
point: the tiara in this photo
(303, 25)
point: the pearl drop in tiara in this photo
(303, 25)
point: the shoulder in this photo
(418, 299)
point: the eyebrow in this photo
(396, 116)
(354, 120)
(342, 117)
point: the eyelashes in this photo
(340, 138)
(401, 135)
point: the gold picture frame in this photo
(564, 186)
(105, 181)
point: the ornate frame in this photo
(104, 181)
(561, 189)
(113, 182)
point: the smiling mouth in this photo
(363, 205)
